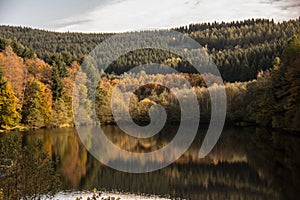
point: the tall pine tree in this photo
(286, 80)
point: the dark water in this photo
(246, 163)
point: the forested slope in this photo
(240, 49)
(258, 59)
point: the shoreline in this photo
(239, 124)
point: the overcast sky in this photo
(129, 15)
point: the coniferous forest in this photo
(258, 59)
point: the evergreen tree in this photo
(287, 82)
(260, 100)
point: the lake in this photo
(246, 163)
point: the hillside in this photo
(258, 60)
(240, 49)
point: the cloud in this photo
(283, 4)
(130, 15)
(293, 6)
(42, 13)
(61, 24)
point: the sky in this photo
(132, 15)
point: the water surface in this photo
(248, 163)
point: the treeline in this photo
(37, 94)
(245, 33)
(240, 49)
(272, 100)
(151, 94)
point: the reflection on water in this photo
(246, 163)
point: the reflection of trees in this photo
(276, 157)
(223, 174)
(129, 143)
(246, 163)
(65, 146)
(26, 171)
(222, 181)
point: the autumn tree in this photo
(37, 111)
(15, 71)
(83, 111)
(61, 115)
(82, 104)
(8, 104)
(103, 101)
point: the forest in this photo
(257, 58)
